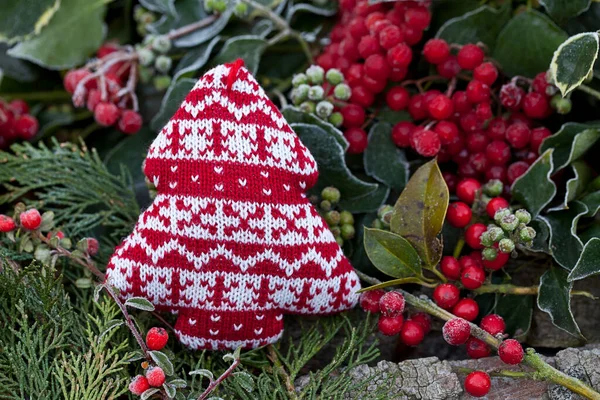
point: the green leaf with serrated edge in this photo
(540, 242)
(139, 303)
(589, 262)
(392, 254)
(534, 189)
(480, 25)
(331, 162)
(22, 19)
(420, 211)
(178, 383)
(293, 115)
(573, 61)
(561, 10)
(592, 202)
(194, 59)
(160, 6)
(162, 361)
(383, 160)
(245, 380)
(171, 102)
(565, 245)
(82, 19)
(170, 390)
(248, 47)
(571, 142)
(203, 372)
(554, 298)
(148, 393)
(367, 203)
(517, 323)
(527, 43)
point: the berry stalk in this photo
(523, 290)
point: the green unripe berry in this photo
(493, 188)
(509, 223)
(219, 6)
(307, 107)
(342, 92)
(145, 74)
(387, 218)
(503, 212)
(325, 205)
(377, 224)
(339, 241)
(506, 245)
(138, 12)
(316, 93)
(335, 230)
(334, 76)
(324, 109)
(346, 218)
(384, 209)
(299, 79)
(336, 119)
(161, 44)
(486, 239)
(527, 234)
(495, 232)
(560, 104)
(332, 218)
(331, 194)
(148, 39)
(145, 56)
(161, 82)
(489, 253)
(240, 9)
(299, 94)
(147, 18)
(523, 216)
(163, 64)
(209, 5)
(348, 232)
(315, 74)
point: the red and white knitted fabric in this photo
(231, 242)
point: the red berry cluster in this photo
(16, 122)
(106, 87)
(391, 321)
(156, 339)
(371, 46)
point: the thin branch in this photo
(187, 29)
(213, 384)
(523, 290)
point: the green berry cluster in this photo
(215, 6)
(493, 188)
(384, 216)
(509, 230)
(143, 18)
(154, 63)
(340, 222)
(316, 92)
(561, 104)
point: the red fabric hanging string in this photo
(234, 67)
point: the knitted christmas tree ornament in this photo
(231, 243)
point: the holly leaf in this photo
(588, 264)
(527, 43)
(554, 298)
(367, 203)
(160, 6)
(561, 10)
(383, 160)
(23, 19)
(480, 25)
(247, 47)
(392, 254)
(14, 68)
(517, 323)
(171, 102)
(194, 59)
(535, 189)
(294, 115)
(420, 211)
(574, 60)
(582, 175)
(75, 18)
(570, 142)
(592, 202)
(328, 9)
(540, 242)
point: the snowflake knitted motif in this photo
(231, 243)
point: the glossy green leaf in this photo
(574, 60)
(540, 243)
(300, 10)
(582, 175)
(561, 10)
(83, 19)
(22, 19)
(248, 47)
(589, 262)
(392, 254)
(140, 303)
(294, 115)
(517, 323)
(480, 25)
(590, 233)
(171, 102)
(420, 211)
(160, 6)
(170, 390)
(383, 160)
(592, 202)
(565, 245)
(527, 43)
(554, 298)
(162, 360)
(570, 142)
(534, 189)
(367, 203)
(194, 59)
(392, 117)
(14, 68)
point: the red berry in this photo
(422, 319)
(390, 36)
(479, 162)
(357, 140)
(411, 36)
(106, 114)
(402, 133)
(139, 385)
(378, 26)
(472, 277)
(391, 304)
(354, 74)
(412, 333)
(30, 219)
(537, 137)
(369, 301)
(456, 331)
(461, 103)
(368, 46)
(498, 152)
(362, 96)
(7, 224)
(449, 68)
(477, 348)
(426, 142)
(436, 51)
(499, 262)
(417, 18)
(467, 309)
(371, 17)
(155, 376)
(156, 338)
(511, 96)
(397, 98)
(106, 49)
(459, 214)
(511, 352)
(469, 122)
(484, 111)
(478, 384)
(518, 135)
(540, 84)
(60, 235)
(486, 73)
(495, 204)
(94, 98)
(354, 115)
(417, 107)
(325, 61)
(493, 324)
(496, 172)
(73, 77)
(398, 74)
(377, 67)
(92, 246)
(478, 92)
(357, 27)
(19, 107)
(26, 126)
(447, 131)
(536, 105)
(450, 267)
(473, 235)
(496, 129)
(467, 189)
(476, 142)
(515, 170)
(390, 326)
(130, 122)
(446, 295)
(470, 56)
(440, 107)
(399, 55)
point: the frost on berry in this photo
(391, 304)
(369, 301)
(156, 338)
(155, 376)
(456, 331)
(30, 219)
(139, 385)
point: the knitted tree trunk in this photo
(231, 243)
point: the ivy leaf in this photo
(527, 43)
(83, 19)
(540, 242)
(329, 9)
(23, 19)
(194, 59)
(561, 10)
(294, 115)
(571, 142)
(582, 175)
(162, 361)
(383, 160)
(574, 60)
(14, 68)
(392, 254)
(247, 47)
(160, 6)
(367, 203)
(480, 25)
(554, 298)
(588, 262)
(140, 303)
(517, 323)
(171, 102)
(420, 210)
(534, 189)
(592, 202)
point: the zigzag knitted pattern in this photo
(231, 242)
